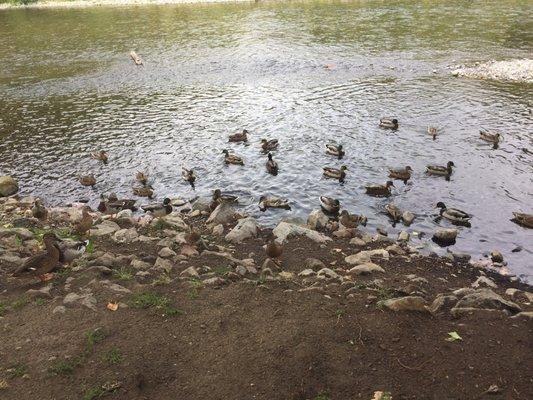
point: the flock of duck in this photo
(330, 206)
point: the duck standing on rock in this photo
(232, 158)
(402, 174)
(454, 215)
(268, 145)
(388, 123)
(271, 165)
(141, 177)
(159, 210)
(100, 156)
(335, 150)
(85, 223)
(441, 170)
(113, 204)
(394, 212)
(188, 176)
(219, 198)
(379, 190)
(239, 137)
(491, 137)
(274, 250)
(330, 205)
(143, 191)
(523, 219)
(351, 221)
(44, 263)
(336, 173)
(87, 180)
(273, 202)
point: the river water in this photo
(68, 87)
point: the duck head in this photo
(166, 201)
(344, 168)
(269, 156)
(389, 184)
(450, 164)
(440, 205)
(408, 168)
(216, 194)
(226, 152)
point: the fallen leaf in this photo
(493, 389)
(453, 337)
(3, 384)
(382, 396)
(112, 306)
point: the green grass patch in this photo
(221, 270)
(113, 356)
(65, 367)
(3, 308)
(322, 396)
(17, 371)
(123, 274)
(154, 300)
(19, 303)
(39, 301)
(94, 393)
(95, 336)
(162, 279)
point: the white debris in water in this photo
(511, 70)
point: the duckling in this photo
(271, 165)
(159, 210)
(188, 175)
(454, 215)
(42, 263)
(433, 131)
(143, 191)
(239, 137)
(39, 210)
(100, 156)
(335, 173)
(329, 204)
(85, 223)
(388, 123)
(274, 250)
(273, 202)
(335, 150)
(440, 170)
(268, 145)
(141, 177)
(403, 174)
(379, 190)
(232, 158)
(491, 137)
(219, 197)
(351, 221)
(523, 219)
(87, 180)
(394, 212)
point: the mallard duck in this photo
(523, 219)
(188, 175)
(43, 263)
(113, 204)
(232, 158)
(433, 131)
(268, 145)
(70, 249)
(351, 221)
(454, 215)
(388, 123)
(85, 223)
(87, 180)
(143, 191)
(100, 156)
(239, 137)
(440, 170)
(141, 177)
(39, 210)
(403, 174)
(336, 173)
(491, 137)
(394, 212)
(329, 204)
(159, 210)
(379, 190)
(219, 197)
(273, 202)
(335, 150)
(271, 165)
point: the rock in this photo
(224, 214)
(365, 269)
(417, 279)
(496, 256)
(107, 260)
(218, 230)
(461, 257)
(285, 230)
(327, 273)
(175, 221)
(125, 214)
(270, 265)
(125, 235)
(395, 250)
(344, 233)
(408, 218)
(520, 295)
(382, 231)
(307, 273)
(107, 227)
(190, 272)
(59, 310)
(458, 312)
(88, 300)
(403, 236)
(484, 281)
(202, 204)
(525, 315)
(241, 270)
(164, 265)
(286, 275)
(246, 228)
(445, 237)
(140, 265)
(317, 220)
(408, 303)
(314, 264)
(443, 303)
(366, 256)
(166, 252)
(113, 286)
(215, 281)
(487, 299)
(357, 242)
(188, 251)
(23, 233)
(195, 213)
(41, 293)
(367, 238)
(8, 186)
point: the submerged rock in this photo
(445, 237)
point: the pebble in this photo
(366, 269)
(166, 252)
(496, 256)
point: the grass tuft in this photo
(19, 303)
(95, 336)
(113, 356)
(154, 300)
(17, 371)
(123, 274)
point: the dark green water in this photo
(67, 87)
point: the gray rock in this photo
(317, 220)
(164, 265)
(408, 303)
(241, 270)
(59, 310)
(366, 269)
(223, 214)
(87, 299)
(166, 252)
(496, 256)
(218, 230)
(246, 228)
(357, 242)
(525, 315)
(314, 264)
(23, 233)
(458, 312)
(484, 281)
(408, 218)
(125, 235)
(107, 260)
(403, 236)
(113, 286)
(8, 186)
(366, 256)
(215, 281)
(443, 303)
(487, 299)
(307, 273)
(42, 293)
(395, 249)
(190, 272)
(125, 214)
(175, 221)
(202, 204)
(285, 230)
(286, 275)
(445, 236)
(327, 273)
(107, 227)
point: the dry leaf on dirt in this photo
(112, 306)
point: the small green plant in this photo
(63, 272)
(89, 249)
(322, 396)
(340, 313)
(64, 367)
(385, 294)
(113, 356)
(123, 274)
(3, 309)
(154, 300)
(160, 225)
(18, 240)
(94, 393)
(162, 279)
(222, 270)
(95, 336)
(17, 371)
(39, 301)
(19, 303)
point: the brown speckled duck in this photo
(87, 180)
(402, 174)
(239, 137)
(271, 165)
(336, 173)
(100, 156)
(232, 158)
(379, 190)
(42, 263)
(523, 219)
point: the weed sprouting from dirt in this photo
(65, 367)
(19, 303)
(162, 279)
(17, 371)
(123, 274)
(322, 396)
(221, 270)
(113, 356)
(94, 393)
(3, 309)
(39, 301)
(93, 337)
(154, 300)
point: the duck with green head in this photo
(159, 209)
(454, 215)
(336, 173)
(388, 123)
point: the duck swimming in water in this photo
(271, 165)
(330, 205)
(87, 180)
(402, 174)
(336, 173)
(232, 158)
(351, 221)
(388, 123)
(335, 150)
(141, 177)
(273, 202)
(378, 190)
(268, 145)
(454, 215)
(491, 137)
(239, 137)
(440, 170)
(433, 131)
(188, 176)
(100, 156)
(523, 219)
